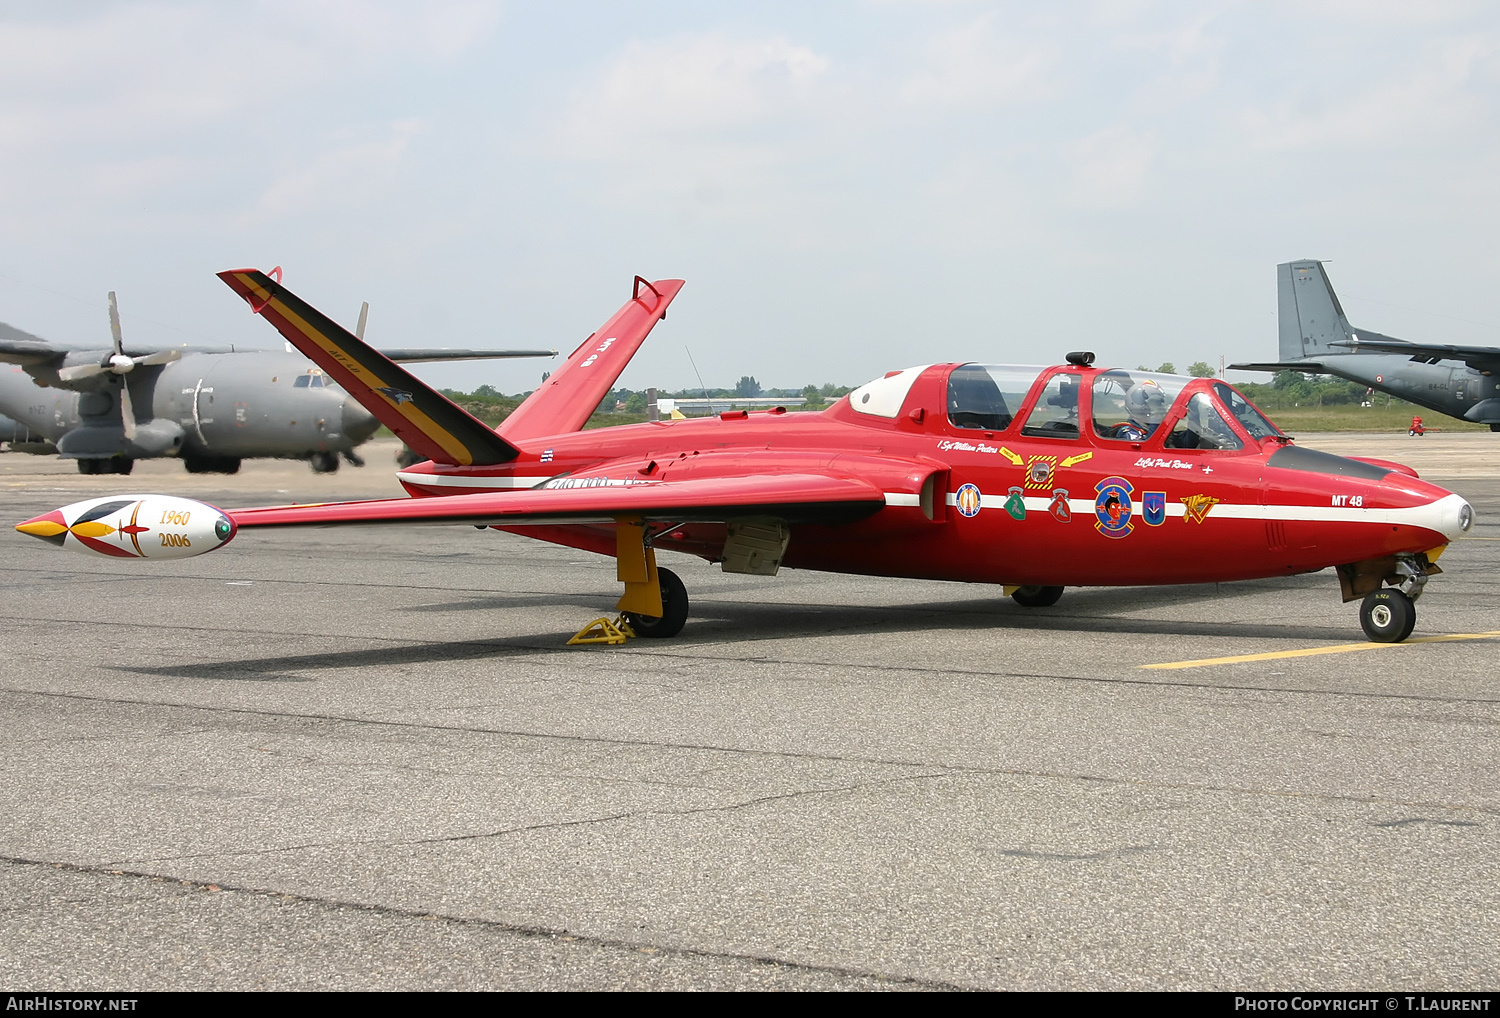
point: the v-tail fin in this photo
(570, 394)
(423, 418)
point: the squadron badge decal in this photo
(1016, 503)
(1154, 508)
(1060, 510)
(1198, 507)
(1112, 508)
(967, 500)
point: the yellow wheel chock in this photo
(635, 566)
(604, 630)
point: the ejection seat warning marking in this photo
(1341, 648)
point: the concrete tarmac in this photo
(366, 758)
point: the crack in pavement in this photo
(516, 929)
(729, 807)
(774, 754)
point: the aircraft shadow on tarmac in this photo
(716, 622)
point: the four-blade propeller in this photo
(118, 363)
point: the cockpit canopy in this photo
(1124, 406)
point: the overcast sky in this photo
(847, 187)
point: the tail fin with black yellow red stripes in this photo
(422, 417)
(571, 393)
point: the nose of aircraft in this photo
(358, 423)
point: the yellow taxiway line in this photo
(1341, 648)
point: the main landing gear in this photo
(107, 465)
(674, 609)
(1036, 597)
(655, 602)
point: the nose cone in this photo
(1452, 517)
(357, 422)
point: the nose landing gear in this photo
(1387, 616)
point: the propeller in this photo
(120, 364)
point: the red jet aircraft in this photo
(1037, 478)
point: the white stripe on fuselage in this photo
(1433, 515)
(470, 480)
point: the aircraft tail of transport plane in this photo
(1032, 477)
(1315, 336)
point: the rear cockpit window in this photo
(1056, 412)
(986, 397)
(1128, 406)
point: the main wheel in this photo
(121, 465)
(324, 462)
(674, 609)
(1387, 616)
(1037, 597)
(211, 464)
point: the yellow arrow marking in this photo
(1075, 460)
(1015, 460)
(1341, 648)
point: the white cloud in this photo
(687, 85)
(977, 65)
(1381, 107)
(352, 174)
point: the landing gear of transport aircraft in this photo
(211, 464)
(324, 462)
(108, 465)
(1036, 597)
(1387, 616)
(674, 609)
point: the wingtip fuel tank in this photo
(135, 526)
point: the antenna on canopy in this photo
(696, 372)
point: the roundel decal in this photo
(967, 500)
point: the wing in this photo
(1310, 367)
(415, 355)
(17, 347)
(796, 498)
(1485, 358)
(422, 417)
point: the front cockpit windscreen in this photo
(1244, 411)
(314, 380)
(1128, 406)
(986, 397)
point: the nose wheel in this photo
(1387, 615)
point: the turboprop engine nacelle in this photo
(135, 526)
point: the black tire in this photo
(90, 466)
(211, 464)
(324, 462)
(674, 606)
(121, 465)
(1037, 597)
(1387, 616)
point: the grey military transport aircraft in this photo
(210, 407)
(1316, 337)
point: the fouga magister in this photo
(1036, 478)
